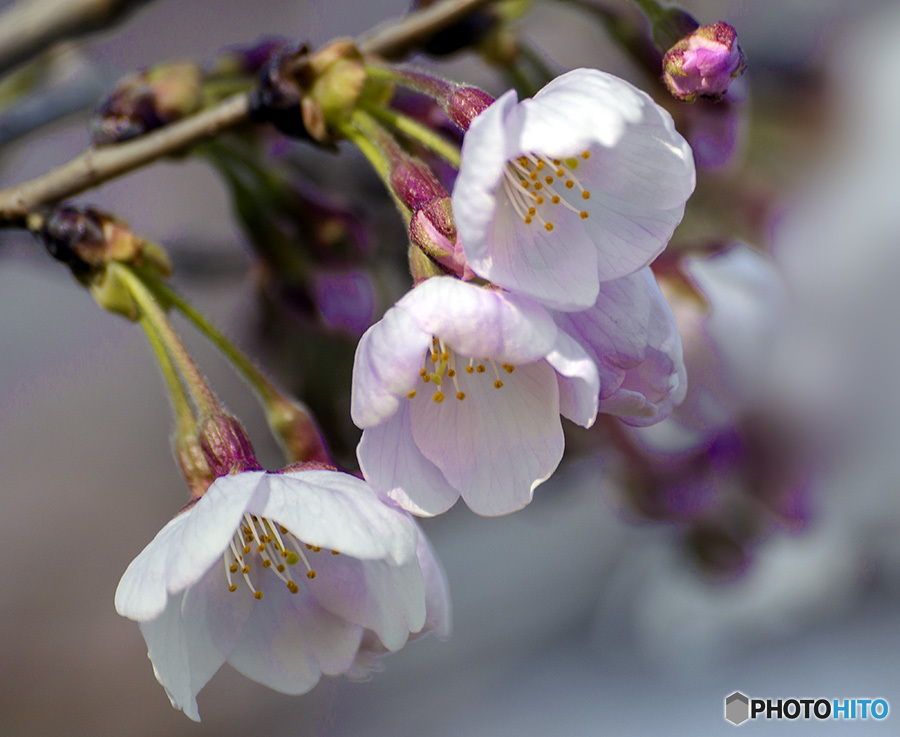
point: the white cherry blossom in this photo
(583, 183)
(286, 576)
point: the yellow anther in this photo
(526, 183)
(549, 180)
(569, 184)
(233, 587)
(539, 200)
(445, 356)
(532, 210)
(507, 368)
(260, 547)
(434, 357)
(317, 548)
(460, 395)
(310, 574)
(438, 397)
(523, 161)
(540, 165)
(480, 368)
(257, 595)
(498, 384)
(470, 369)
(246, 549)
(560, 172)
(585, 154)
(411, 394)
(234, 568)
(280, 567)
(548, 227)
(292, 587)
(533, 176)
(538, 185)
(267, 563)
(585, 195)
(426, 378)
(245, 569)
(308, 546)
(335, 552)
(451, 373)
(584, 214)
(555, 199)
(528, 220)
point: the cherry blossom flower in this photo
(631, 335)
(285, 576)
(583, 183)
(459, 391)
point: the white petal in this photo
(382, 597)
(475, 321)
(209, 526)
(338, 511)
(496, 445)
(488, 145)
(437, 592)
(290, 640)
(392, 463)
(632, 337)
(386, 366)
(579, 381)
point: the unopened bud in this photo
(433, 232)
(414, 183)
(703, 63)
(295, 428)
(147, 100)
(306, 95)
(226, 446)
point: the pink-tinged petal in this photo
(557, 267)
(437, 592)
(338, 511)
(142, 592)
(486, 148)
(290, 640)
(496, 445)
(392, 463)
(579, 381)
(209, 526)
(631, 335)
(386, 599)
(480, 322)
(386, 366)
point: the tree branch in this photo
(97, 165)
(31, 26)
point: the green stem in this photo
(153, 313)
(257, 380)
(417, 131)
(184, 413)
(651, 8)
(363, 132)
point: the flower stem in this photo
(153, 313)
(289, 420)
(368, 136)
(415, 130)
(184, 413)
(651, 8)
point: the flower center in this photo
(441, 363)
(276, 547)
(534, 184)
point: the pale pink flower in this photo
(286, 576)
(583, 183)
(459, 391)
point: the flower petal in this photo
(496, 445)
(579, 381)
(392, 463)
(437, 592)
(338, 511)
(290, 640)
(631, 335)
(377, 595)
(386, 366)
(475, 321)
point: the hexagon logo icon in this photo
(737, 708)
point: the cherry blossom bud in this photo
(703, 63)
(433, 232)
(466, 103)
(147, 100)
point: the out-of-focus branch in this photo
(97, 165)
(29, 27)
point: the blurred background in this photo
(591, 611)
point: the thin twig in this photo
(97, 165)
(30, 26)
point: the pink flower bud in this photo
(466, 104)
(703, 63)
(226, 446)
